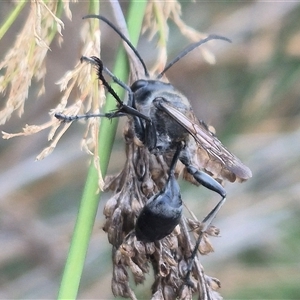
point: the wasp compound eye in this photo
(139, 84)
(162, 213)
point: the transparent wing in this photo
(207, 141)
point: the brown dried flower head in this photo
(169, 257)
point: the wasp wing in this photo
(206, 140)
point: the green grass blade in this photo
(11, 18)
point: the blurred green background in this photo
(251, 97)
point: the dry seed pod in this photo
(205, 246)
(158, 295)
(214, 283)
(110, 205)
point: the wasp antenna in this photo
(123, 37)
(191, 48)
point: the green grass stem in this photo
(11, 18)
(90, 199)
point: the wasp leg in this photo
(207, 181)
(205, 223)
(94, 61)
(215, 186)
(147, 133)
(71, 118)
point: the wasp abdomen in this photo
(162, 213)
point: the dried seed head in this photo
(171, 242)
(150, 248)
(140, 247)
(25, 61)
(213, 231)
(205, 246)
(168, 292)
(120, 274)
(158, 295)
(164, 269)
(120, 288)
(22, 64)
(185, 293)
(197, 227)
(170, 257)
(214, 283)
(110, 205)
(137, 272)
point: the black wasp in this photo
(165, 123)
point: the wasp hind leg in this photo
(215, 186)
